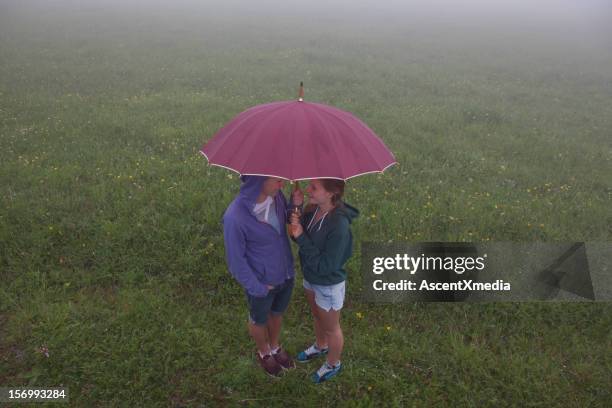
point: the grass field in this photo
(111, 248)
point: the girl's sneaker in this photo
(325, 372)
(310, 353)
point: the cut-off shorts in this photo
(327, 296)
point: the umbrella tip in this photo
(301, 92)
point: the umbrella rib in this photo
(271, 114)
(362, 142)
(292, 150)
(373, 171)
(357, 137)
(236, 126)
(226, 137)
(334, 141)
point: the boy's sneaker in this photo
(325, 372)
(269, 364)
(284, 359)
(310, 353)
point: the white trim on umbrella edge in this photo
(292, 180)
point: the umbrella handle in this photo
(296, 186)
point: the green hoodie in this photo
(326, 245)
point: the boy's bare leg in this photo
(260, 335)
(274, 328)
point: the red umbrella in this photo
(297, 140)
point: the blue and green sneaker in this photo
(310, 353)
(325, 372)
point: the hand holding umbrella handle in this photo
(297, 196)
(296, 228)
(294, 217)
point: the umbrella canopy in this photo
(298, 140)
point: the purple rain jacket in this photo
(257, 255)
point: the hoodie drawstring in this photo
(312, 219)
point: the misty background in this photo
(503, 75)
(575, 36)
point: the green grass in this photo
(111, 248)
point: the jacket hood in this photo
(344, 210)
(250, 189)
(348, 211)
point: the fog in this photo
(578, 33)
(584, 15)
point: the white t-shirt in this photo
(266, 212)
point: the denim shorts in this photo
(275, 302)
(327, 296)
